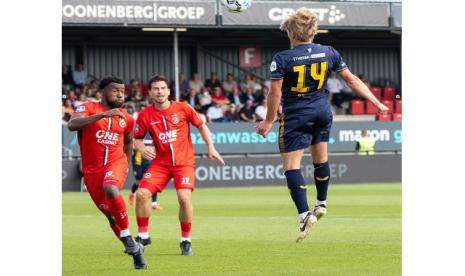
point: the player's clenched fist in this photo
(114, 112)
(264, 127)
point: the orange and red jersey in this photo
(102, 142)
(170, 132)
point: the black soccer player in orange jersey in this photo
(168, 125)
(105, 134)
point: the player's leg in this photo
(153, 181)
(298, 190)
(184, 182)
(319, 150)
(96, 193)
(294, 137)
(321, 175)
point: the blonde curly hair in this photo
(302, 25)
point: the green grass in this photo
(246, 231)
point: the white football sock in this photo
(185, 239)
(303, 215)
(144, 235)
(124, 233)
(317, 202)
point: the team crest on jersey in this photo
(273, 66)
(147, 175)
(109, 173)
(80, 108)
(309, 50)
(174, 119)
(122, 123)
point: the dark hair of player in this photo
(107, 80)
(157, 78)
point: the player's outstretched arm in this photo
(78, 122)
(147, 152)
(273, 102)
(212, 153)
(361, 89)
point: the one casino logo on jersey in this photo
(122, 123)
(174, 119)
(80, 108)
(107, 137)
(168, 136)
(147, 175)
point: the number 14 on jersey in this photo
(318, 76)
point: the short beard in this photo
(115, 104)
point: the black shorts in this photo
(301, 128)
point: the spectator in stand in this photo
(66, 110)
(215, 113)
(256, 84)
(247, 112)
(135, 87)
(91, 88)
(72, 96)
(195, 83)
(229, 83)
(205, 99)
(235, 96)
(261, 94)
(140, 101)
(260, 111)
(81, 99)
(192, 99)
(98, 96)
(334, 86)
(249, 95)
(231, 114)
(212, 82)
(183, 86)
(219, 97)
(67, 81)
(247, 82)
(80, 75)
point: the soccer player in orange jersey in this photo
(105, 134)
(168, 124)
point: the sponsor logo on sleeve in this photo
(273, 66)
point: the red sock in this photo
(142, 224)
(118, 210)
(115, 229)
(186, 229)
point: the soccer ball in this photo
(237, 5)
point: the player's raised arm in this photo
(361, 89)
(273, 102)
(212, 153)
(79, 121)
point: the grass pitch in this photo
(245, 231)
